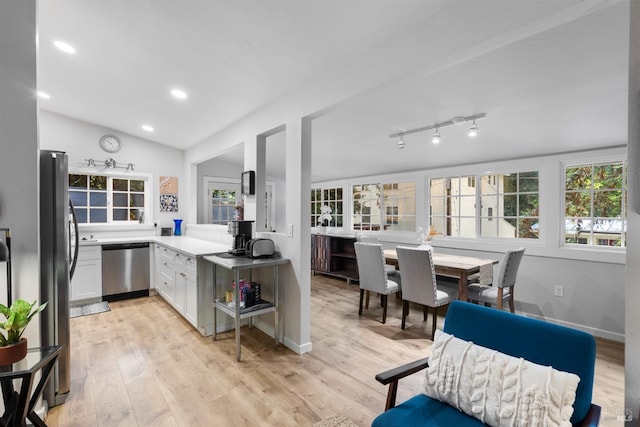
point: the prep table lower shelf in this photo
(237, 264)
(246, 313)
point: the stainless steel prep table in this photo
(236, 264)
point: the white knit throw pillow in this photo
(498, 389)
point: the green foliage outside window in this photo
(594, 205)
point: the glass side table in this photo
(19, 404)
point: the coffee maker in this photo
(242, 231)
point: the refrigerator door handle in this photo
(74, 258)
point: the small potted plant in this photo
(12, 346)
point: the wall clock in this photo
(110, 143)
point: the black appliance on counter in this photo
(242, 231)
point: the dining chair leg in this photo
(500, 298)
(433, 324)
(366, 304)
(384, 308)
(511, 301)
(361, 297)
(405, 313)
(425, 313)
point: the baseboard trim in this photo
(290, 344)
(600, 333)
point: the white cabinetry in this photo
(165, 273)
(185, 282)
(87, 278)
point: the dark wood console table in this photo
(19, 404)
(334, 255)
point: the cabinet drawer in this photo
(188, 264)
(167, 270)
(166, 255)
(167, 285)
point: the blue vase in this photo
(177, 230)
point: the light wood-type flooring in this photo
(141, 364)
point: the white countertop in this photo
(184, 244)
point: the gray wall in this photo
(632, 313)
(19, 149)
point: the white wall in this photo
(80, 141)
(19, 150)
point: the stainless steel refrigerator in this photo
(57, 261)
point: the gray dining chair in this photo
(500, 290)
(372, 276)
(419, 284)
(390, 269)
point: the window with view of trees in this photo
(102, 199)
(508, 208)
(595, 204)
(223, 206)
(386, 206)
(331, 197)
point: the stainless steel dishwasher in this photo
(125, 271)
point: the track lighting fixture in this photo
(473, 130)
(109, 164)
(436, 137)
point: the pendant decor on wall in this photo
(168, 194)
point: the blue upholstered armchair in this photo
(567, 350)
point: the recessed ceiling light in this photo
(180, 94)
(65, 47)
(44, 95)
(147, 128)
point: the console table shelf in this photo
(334, 255)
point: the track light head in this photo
(473, 130)
(436, 137)
(458, 120)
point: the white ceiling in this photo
(550, 75)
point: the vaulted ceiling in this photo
(551, 76)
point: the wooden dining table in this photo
(457, 266)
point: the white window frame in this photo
(234, 184)
(381, 215)
(461, 175)
(148, 191)
(231, 184)
(591, 160)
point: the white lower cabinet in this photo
(177, 278)
(191, 298)
(87, 278)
